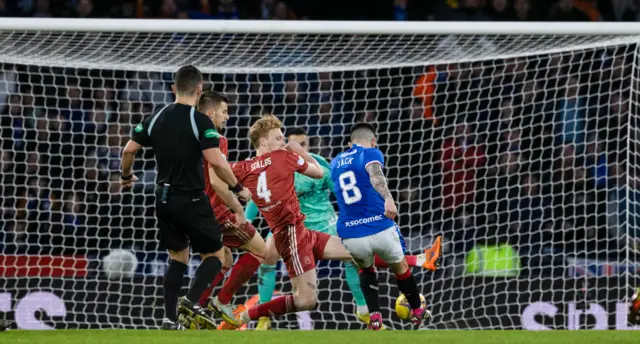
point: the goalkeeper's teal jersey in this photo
(314, 199)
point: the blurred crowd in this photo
(535, 151)
(420, 10)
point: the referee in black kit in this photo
(180, 137)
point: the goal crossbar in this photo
(319, 27)
(251, 46)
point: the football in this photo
(634, 309)
(403, 310)
(119, 264)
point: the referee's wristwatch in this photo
(123, 177)
(237, 188)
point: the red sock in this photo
(379, 263)
(242, 271)
(411, 260)
(275, 307)
(404, 276)
(207, 292)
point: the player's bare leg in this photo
(305, 290)
(209, 267)
(271, 252)
(243, 269)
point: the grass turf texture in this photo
(316, 337)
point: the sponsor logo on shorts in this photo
(139, 128)
(363, 221)
(270, 207)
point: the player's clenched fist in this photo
(294, 147)
(390, 209)
(244, 195)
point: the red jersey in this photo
(220, 210)
(270, 178)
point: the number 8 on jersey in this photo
(361, 206)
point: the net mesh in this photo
(520, 150)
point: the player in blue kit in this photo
(366, 222)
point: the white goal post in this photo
(518, 142)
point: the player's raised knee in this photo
(271, 255)
(305, 301)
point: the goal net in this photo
(516, 142)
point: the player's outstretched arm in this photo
(222, 190)
(379, 183)
(224, 172)
(314, 170)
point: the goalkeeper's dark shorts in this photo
(186, 218)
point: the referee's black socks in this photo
(172, 284)
(205, 273)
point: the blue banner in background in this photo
(580, 267)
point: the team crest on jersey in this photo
(300, 160)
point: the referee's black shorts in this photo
(187, 218)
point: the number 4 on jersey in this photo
(348, 184)
(263, 190)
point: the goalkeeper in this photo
(320, 216)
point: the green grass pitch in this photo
(317, 337)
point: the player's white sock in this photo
(363, 309)
(421, 259)
(304, 320)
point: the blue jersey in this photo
(361, 206)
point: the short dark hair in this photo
(210, 99)
(297, 131)
(358, 129)
(186, 79)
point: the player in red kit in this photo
(236, 231)
(270, 178)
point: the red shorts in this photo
(300, 248)
(233, 237)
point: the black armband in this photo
(123, 177)
(237, 188)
